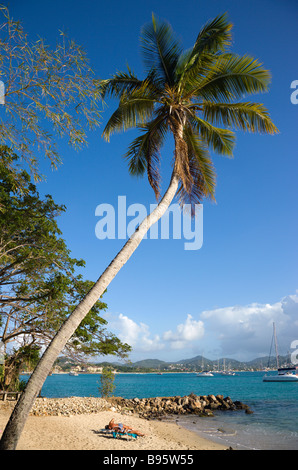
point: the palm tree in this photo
(187, 94)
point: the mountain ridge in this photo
(199, 362)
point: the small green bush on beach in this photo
(107, 385)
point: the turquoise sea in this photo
(272, 426)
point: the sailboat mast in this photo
(276, 348)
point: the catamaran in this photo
(284, 374)
(205, 373)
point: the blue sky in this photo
(168, 302)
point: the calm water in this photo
(273, 425)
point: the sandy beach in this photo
(81, 432)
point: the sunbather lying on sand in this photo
(122, 428)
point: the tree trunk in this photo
(21, 411)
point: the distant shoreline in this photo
(153, 372)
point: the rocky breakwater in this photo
(148, 408)
(203, 405)
(68, 406)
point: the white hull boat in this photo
(284, 374)
(205, 374)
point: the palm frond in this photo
(214, 36)
(135, 108)
(232, 77)
(220, 140)
(190, 71)
(144, 151)
(160, 50)
(120, 82)
(202, 173)
(153, 166)
(137, 156)
(199, 153)
(253, 117)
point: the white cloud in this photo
(242, 330)
(185, 333)
(138, 335)
(135, 334)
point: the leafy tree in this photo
(107, 385)
(14, 363)
(38, 285)
(187, 94)
(32, 252)
(47, 89)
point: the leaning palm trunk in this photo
(20, 413)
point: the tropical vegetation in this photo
(196, 96)
(39, 284)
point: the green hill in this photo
(150, 364)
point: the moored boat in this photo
(284, 374)
(205, 373)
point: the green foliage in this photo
(39, 284)
(107, 385)
(189, 94)
(33, 255)
(44, 86)
(14, 363)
